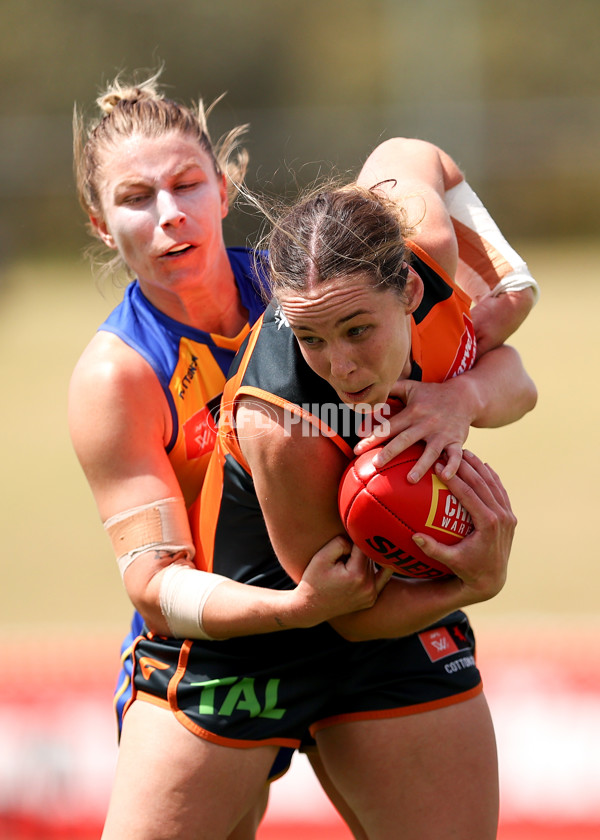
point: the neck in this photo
(211, 303)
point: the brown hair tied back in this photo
(337, 232)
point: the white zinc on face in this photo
(163, 206)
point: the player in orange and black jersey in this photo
(270, 371)
(155, 191)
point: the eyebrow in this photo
(142, 181)
(339, 322)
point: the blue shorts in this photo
(272, 689)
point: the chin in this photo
(360, 406)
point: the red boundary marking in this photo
(521, 831)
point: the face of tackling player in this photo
(163, 206)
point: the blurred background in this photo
(512, 91)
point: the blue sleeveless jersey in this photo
(191, 366)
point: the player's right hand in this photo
(339, 579)
(480, 560)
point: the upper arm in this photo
(416, 174)
(118, 421)
(296, 476)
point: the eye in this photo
(131, 199)
(310, 340)
(188, 180)
(357, 332)
(187, 185)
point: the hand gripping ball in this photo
(381, 511)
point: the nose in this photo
(341, 363)
(169, 212)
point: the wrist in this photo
(292, 610)
(468, 396)
(475, 589)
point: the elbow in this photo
(351, 636)
(356, 631)
(350, 630)
(530, 396)
(533, 397)
(143, 594)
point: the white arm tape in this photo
(158, 526)
(465, 207)
(516, 282)
(183, 593)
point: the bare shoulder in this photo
(109, 360)
(113, 389)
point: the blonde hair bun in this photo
(128, 93)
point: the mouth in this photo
(177, 250)
(356, 396)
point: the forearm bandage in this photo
(183, 594)
(483, 248)
(158, 526)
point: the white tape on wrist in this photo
(183, 594)
(482, 246)
(158, 526)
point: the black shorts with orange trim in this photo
(274, 688)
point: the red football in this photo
(381, 511)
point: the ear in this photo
(413, 291)
(103, 232)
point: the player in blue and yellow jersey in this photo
(355, 330)
(191, 366)
(156, 191)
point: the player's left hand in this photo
(433, 413)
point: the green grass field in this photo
(58, 569)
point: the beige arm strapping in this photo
(160, 526)
(163, 526)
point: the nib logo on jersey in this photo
(446, 513)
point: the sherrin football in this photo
(381, 511)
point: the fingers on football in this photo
(491, 477)
(432, 548)
(454, 455)
(432, 453)
(471, 484)
(498, 488)
(394, 447)
(478, 488)
(389, 430)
